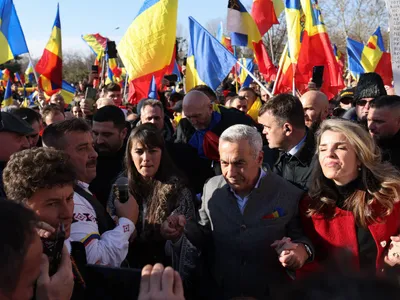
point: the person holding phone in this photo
(106, 242)
(43, 179)
(161, 191)
(22, 264)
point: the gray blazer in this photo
(244, 264)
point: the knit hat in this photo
(370, 85)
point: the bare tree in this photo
(212, 26)
(356, 19)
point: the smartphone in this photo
(90, 93)
(53, 249)
(318, 74)
(121, 192)
(95, 69)
(111, 49)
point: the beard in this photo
(316, 124)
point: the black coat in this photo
(297, 169)
(391, 150)
(108, 167)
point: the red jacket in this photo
(331, 235)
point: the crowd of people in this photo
(231, 195)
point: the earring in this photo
(359, 169)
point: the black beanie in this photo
(370, 85)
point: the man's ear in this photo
(124, 133)
(287, 128)
(260, 158)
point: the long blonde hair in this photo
(381, 179)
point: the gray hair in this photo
(152, 103)
(242, 132)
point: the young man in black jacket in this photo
(285, 129)
(384, 127)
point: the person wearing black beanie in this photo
(370, 86)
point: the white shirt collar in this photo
(83, 185)
(296, 148)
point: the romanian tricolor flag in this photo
(339, 59)
(316, 50)
(20, 78)
(148, 47)
(29, 75)
(224, 40)
(208, 61)
(12, 39)
(363, 59)
(293, 13)
(266, 13)
(8, 99)
(284, 82)
(376, 40)
(113, 72)
(68, 92)
(244, 77)
(244, 32)
(5, 75)
(339, 55)
(50, 64)
(153, 89)
(290, 55)
(96, 43)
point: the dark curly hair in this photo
(34, 169)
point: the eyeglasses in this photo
(363, 102)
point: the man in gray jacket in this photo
(249, 226)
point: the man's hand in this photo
(61, 284)
(41, 98)
(129, 209)
(160, 284)
(173, 227)
(393, 256)
(87, 107)
(291, 255)
(44, 230)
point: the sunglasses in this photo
(363, 102)
(346, 100)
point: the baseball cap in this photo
(178, 106)
(347, 93)
(12, 123)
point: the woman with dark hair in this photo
(354, 209)
(160, 191)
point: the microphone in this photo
(121, 189)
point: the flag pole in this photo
(236, 71)
(294, 82)
(254, 78)
(270, 45)
(37, 81)
(125, 86)
(103, 69)
(34, 71)
(277, 78)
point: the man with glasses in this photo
(369, 87)
(346, 98)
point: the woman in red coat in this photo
(354, 206)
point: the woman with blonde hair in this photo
(353, 204)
